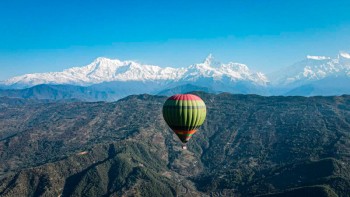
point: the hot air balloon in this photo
(184, 113)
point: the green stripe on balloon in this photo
(183, 107)
(184, 128)
(176, 103)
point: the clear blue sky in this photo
(41, 36)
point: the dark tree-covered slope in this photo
(249, 146)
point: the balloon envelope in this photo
(184, 113)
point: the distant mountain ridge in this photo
(183, 89)
(58, 92)
(108, 80)
(108, 70)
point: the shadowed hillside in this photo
(249, 145)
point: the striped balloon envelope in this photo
(184, 113)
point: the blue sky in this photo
(41, 36)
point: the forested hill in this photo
(248, 146)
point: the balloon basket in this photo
(184, 147)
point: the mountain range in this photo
(107, 79)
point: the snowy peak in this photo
(312, 57)
(209, 59)
(344, 55)
(211, 62)
(217, 71)
(318, 68)
(101, 67)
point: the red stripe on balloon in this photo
(184, 132)
(182, 97)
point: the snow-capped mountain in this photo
(100, 70)
(107, 79)
(217, 71)
(313, 68)
(108, 70)
(315, 75)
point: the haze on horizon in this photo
(42, 36)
